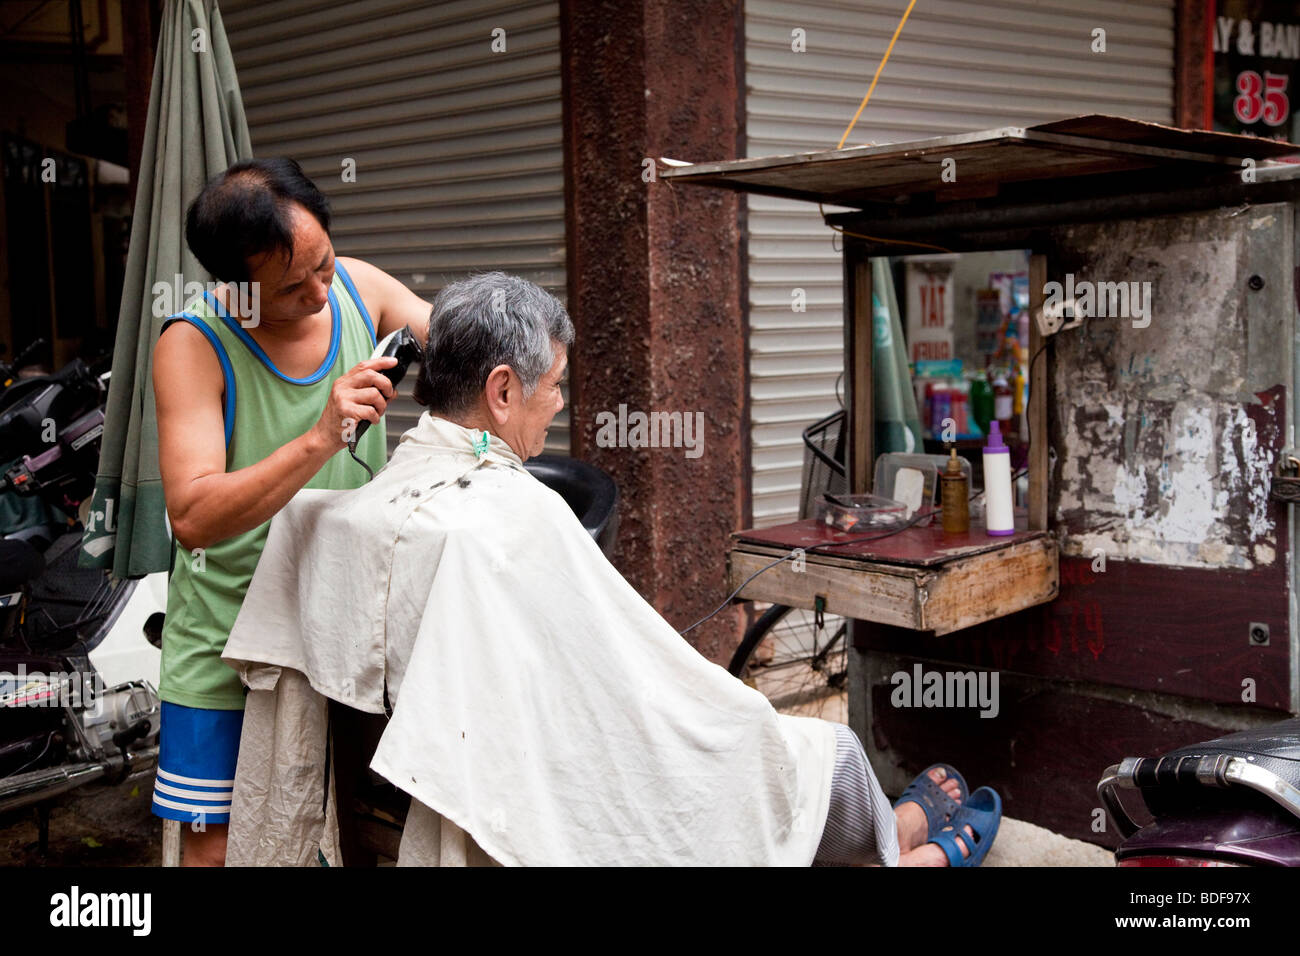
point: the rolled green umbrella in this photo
(196, 128)
(898, 427)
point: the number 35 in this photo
(1273, 108)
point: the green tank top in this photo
(264, 410)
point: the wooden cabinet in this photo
(920, 578)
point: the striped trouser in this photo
(860, 827)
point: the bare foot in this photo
(931, 854)
(912, 824)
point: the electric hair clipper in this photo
(403, 346)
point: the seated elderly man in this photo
(540, 711)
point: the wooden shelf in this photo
(919, 578)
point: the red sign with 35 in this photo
(1256, 66)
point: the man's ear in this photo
(497, 392)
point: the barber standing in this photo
(254, 404)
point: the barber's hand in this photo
(358, 395)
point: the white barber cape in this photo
(540, 706)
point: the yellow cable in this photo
(892, 242)
(861, 106)
(889, 49)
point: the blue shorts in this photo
(197, 751)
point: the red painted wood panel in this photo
(1143, 626)
(917, 546)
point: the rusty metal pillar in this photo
(1193, 65)
(655, 287)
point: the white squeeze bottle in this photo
(998, 516)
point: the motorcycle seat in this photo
(1275, 748)
(20, 564)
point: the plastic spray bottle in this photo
(999, 517)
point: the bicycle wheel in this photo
(800, 668)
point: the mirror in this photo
(951, 354)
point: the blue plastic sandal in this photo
(930, 797)
(983, 814)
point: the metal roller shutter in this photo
(458, 150)
(958, 66)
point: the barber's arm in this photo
(205, 503)
(391, 304)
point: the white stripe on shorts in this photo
(194, 781)
(223, 810)
(214, 795)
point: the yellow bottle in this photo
(956, 498)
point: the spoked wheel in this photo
(800, 668)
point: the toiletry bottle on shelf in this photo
(981, 403)
(959, 417)
(999, 517)
(940, 409)
(1003, 402)
(927, 413)
(956, 497)
(1018, 386)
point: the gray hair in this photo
(478, 323)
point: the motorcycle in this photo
(1231, 801)
(79, 652)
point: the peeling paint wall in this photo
(1164, 438)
